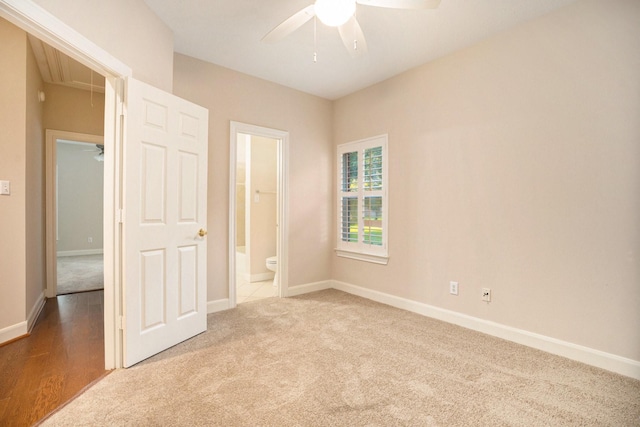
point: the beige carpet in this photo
(80, 273)
(333, 359)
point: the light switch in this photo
(5, 187)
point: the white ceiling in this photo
(228, 33)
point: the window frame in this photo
(378, 254)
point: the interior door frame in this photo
(282, 205)
(37, 21)
(51, 139)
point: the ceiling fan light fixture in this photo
(334, 12)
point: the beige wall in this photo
(13, 116)
(230, 95)
(73, 110)
(263, 211)
(22, 147)
(34, 179)
(127, 29)
(515, 165)
(80, 197)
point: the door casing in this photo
(51, 139)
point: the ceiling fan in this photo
(341, 14)
(100, 149)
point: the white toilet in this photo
(272, 264)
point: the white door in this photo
(165, 207)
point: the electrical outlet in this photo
(90, 239)
(453, 288)
(486, 294)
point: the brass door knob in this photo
(202, 232)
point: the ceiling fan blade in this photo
(98, 147)
(289, 25)
(401, 4)
(353, 37)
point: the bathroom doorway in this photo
(257, 264)
(256, 217)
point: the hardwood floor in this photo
(63, 354)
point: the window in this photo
(362, 200)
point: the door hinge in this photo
(121, 323)
(119, 216)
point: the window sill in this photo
(360, 256)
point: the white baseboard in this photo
(14, 331)
(309, 287)
(217, 305)
(23, 328)
(80, 252)
(35, 311)
(589, 356)
(261, 277)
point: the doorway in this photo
(41, 24)
(258, 194)
(75, 182)
(256, 217)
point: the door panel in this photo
(188, 264)
(153, 287)
(165, 193)
(188, 200)
(153, 183)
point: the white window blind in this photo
(362, 200)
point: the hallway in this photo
(63, 354)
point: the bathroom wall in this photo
(241, 178)
(262, 207)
